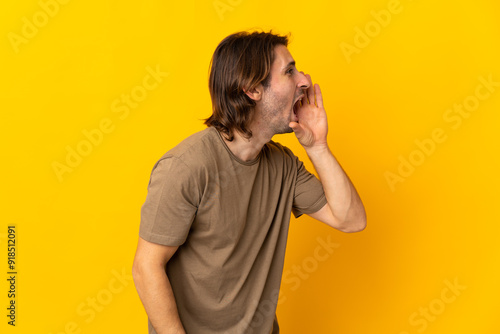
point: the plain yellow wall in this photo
(412, 92)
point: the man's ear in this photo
(255, 93)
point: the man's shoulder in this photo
(280, 157)
(194, 149)
(277, 148)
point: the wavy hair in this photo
(240, 62)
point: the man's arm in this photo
(344, 210)
(153, 286)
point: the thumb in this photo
(297, 129)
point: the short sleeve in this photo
(309, 194)
(171, 203)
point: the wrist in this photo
(317, 150)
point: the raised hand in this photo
(312, 126)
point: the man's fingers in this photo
(319, 97)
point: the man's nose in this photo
(303, 82)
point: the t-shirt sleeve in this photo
(171, 203)
(309, 194)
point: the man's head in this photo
(253, 76)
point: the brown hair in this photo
(241, 61)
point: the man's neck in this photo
(247, 149)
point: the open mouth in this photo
(296, 105)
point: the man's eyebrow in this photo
(292, 63)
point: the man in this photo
(215, 221)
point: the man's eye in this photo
(290, 71)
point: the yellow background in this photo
(74, 235)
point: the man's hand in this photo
(312, 126)
(344, 210)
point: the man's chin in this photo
(287, 129)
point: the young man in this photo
(215, 221)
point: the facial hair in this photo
(272, 113)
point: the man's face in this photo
(276, 108)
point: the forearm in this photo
(343, 199)
(155, 292)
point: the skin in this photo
(153, 286)
(273, 115)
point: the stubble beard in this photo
(272, 115)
